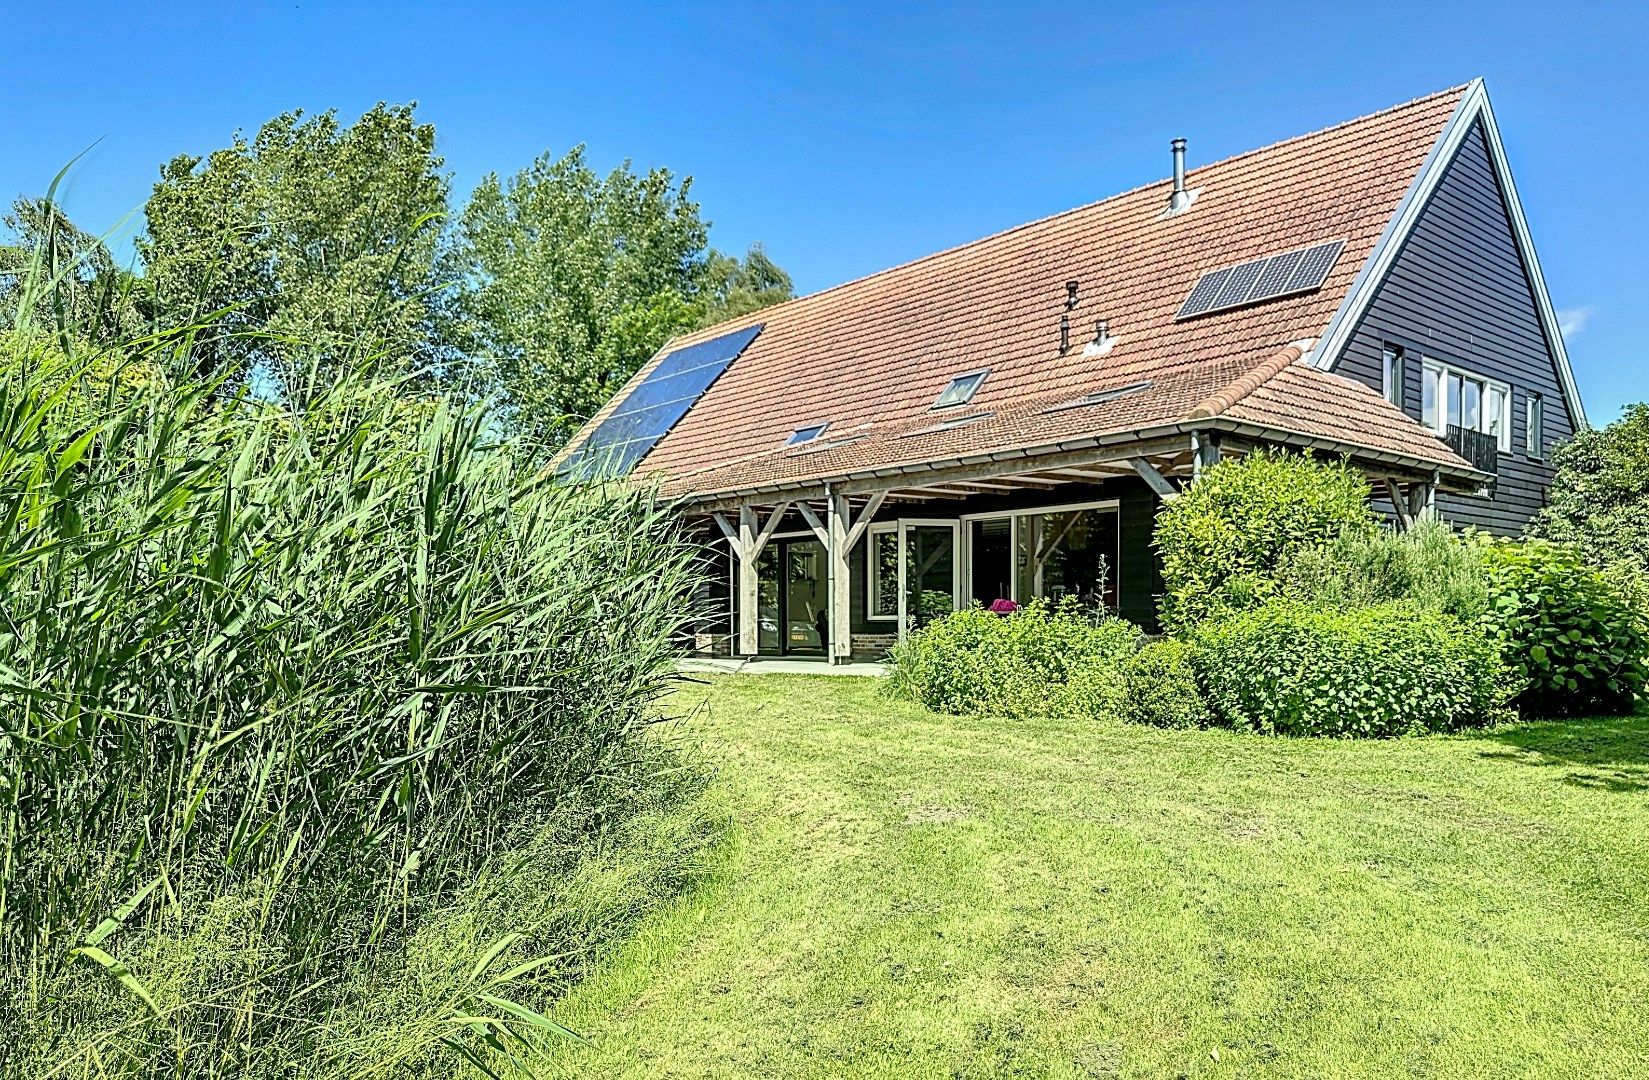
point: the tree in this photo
(313, 241)
(59, 279)
(571, 280)
(1599, 499)
(733, 288)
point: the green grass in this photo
(906, 894)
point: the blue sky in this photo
(848, 139)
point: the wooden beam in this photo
(814, 523)
(770, 528)
(1400, 504)
(1159, 483)
(837, 546)
(749, 639)
(859, 526)
(1423, 499)
(727, 530)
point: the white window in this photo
(1394, 368)
(882, 563)
(961, 389)
(1451, 397)
(1534, 439)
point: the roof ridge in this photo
(1219, 401)
(734, 323)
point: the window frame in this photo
(1444, 372)
(1393, 359)
(1534, 427)
(818, 430)
(872, 588)
(972, 380)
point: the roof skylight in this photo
(806, 434)
(961, 389)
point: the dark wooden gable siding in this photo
(1458, 292)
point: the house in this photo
(1003, 419)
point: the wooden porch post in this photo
(838, 526)
(749, 640)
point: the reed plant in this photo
(285, 679)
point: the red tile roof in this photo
(871, 356)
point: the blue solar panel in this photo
(650, 410)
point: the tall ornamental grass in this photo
(278, 686)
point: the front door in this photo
(804, 601)
(929, 565)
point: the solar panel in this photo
(1278, 269)
(1301, 270)
(1240, 283)
(1202, 296)
(1315, 266)
(655, 406)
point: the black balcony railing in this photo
(1483, 451)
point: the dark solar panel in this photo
(1240, 283)
(1315, 266)
(1301, 270)
(1202, 297)
(1278, 269)
(655, 406)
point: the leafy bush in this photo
(1599, 500)
(1160, 683)
(1430, 566)
(1223, 540)
(1395, 669)
(281, 685)
(1575, 637)
(1042, 659)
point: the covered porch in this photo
(841, 569)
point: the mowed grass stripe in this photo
(917, 895)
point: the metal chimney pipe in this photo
(1064, 334)
(1180, 198)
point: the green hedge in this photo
(1224, 539)
(1392, 669)
(1042, 659)
(1571, 633)
(1160, 682)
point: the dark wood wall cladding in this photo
(1459, 293)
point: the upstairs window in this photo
(1534, 439)
(1393, 372)
(961, 389)
(806, 434)
(1450, 397)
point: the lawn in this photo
(906, 894)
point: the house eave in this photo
(1097, 449)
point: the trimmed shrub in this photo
(1223, 540)
(1394, 669)
(1576, 638)
(1160, 682)
(1042, 659)
(1430, 566)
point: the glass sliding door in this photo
(992, 562)
(1052, 553)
